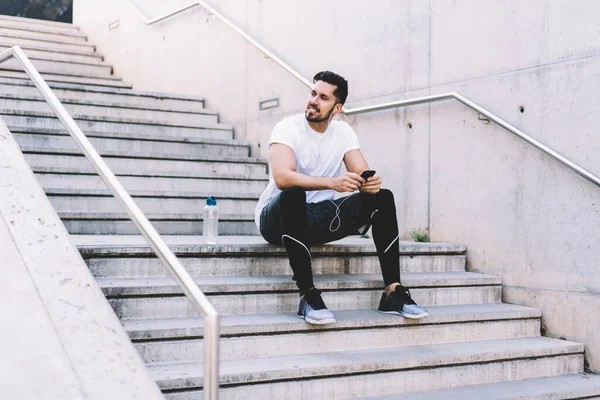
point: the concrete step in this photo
(48, 168)
(159, 149)
(121, 119)
(39, 25)
(130, 256)
(356, 330)
(278, 293)
(351, 374)
(576, 386)
(109, 111)
(38, 54)
(62, 68)
(236, 264)
(165, 224)
(36, 35)
(58, 47)
(150, 202)
(112, 246)
(56, 182)
(222, 285)
(136, 164)
(49, 48)
(110, 81)
(150, 136)
(82, 94)
(235, 326)
(38, 28)
(124, 128)
(253, 256)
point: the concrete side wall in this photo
(60, 338)
(27, 326)
(521, 214)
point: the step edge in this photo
(313, 372)
(109, 90)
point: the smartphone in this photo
(367, 174)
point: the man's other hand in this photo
(372, 185)
(349, 182)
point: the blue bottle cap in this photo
(211, 201)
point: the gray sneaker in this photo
(313, 309)
(400, 302)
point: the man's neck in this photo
(320, 127)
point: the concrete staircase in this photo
(171, 152)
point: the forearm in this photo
(287, 179)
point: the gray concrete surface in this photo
(165, 224)
(150, 203)
(136, 183)
(49, 45)
(109, 111)
(289, 323)
(30, 331)
(563, 387)
(367, 338)
(122, 127)
(124, 146)
(221, 285)
(41, 36)
(41, 54)
(122, 165)
(241, 263)
(407, 366)
(8, 21)
(110, 81)
(53, 67)
(250, 303)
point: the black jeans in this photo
(289, 221)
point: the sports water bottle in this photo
(211, 220)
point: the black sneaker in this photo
(313, 309)
(399, 302)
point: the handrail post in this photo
(211, 356)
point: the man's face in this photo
(321, 102)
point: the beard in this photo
(317, 118)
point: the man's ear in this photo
(337, 109)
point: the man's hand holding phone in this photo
(372, 182)
(349, 182)
(367, 182)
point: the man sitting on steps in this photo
(298, 210)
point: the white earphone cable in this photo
(337, 215)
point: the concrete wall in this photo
(60, 338)
(521, 214)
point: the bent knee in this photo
(383, 194)
(293, 195)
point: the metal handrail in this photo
(384, 106)
(488, 114)
(191, 290)
(235, 28)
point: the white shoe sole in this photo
(410, 316)
(317, 322)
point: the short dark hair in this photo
(341, 90)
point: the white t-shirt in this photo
(317, 154)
